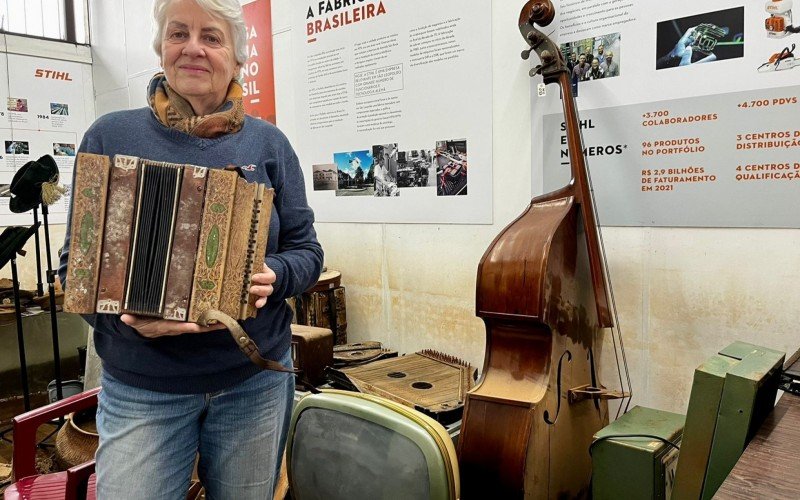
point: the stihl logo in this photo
(52, 74)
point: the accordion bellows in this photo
(164, 240)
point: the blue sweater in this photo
(208, 362)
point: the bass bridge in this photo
(584, 392)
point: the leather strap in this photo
(245, 343)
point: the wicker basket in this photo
(77, 440)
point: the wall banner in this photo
(258, 74)
(394, 109)
(688, 112)
(41, 112)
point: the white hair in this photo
(229, 11)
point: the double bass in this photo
(542, 291)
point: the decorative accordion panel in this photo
(164, 239)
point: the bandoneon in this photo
(164, 240)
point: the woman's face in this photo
(197, 55)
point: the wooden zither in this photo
(164, 240)
(429, 381)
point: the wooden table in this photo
(770, 466)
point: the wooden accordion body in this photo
(164, 240)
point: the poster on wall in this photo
(42, 112)
(258, 74)
(688, 112)
(394, 109)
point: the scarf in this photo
(174, 111)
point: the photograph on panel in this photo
(416, 168)
(593, 58)
(355, 173)
(326, 177)
(17, 104)
(780, 61)
(451, 167)
(713, 36)
(62, 149)
(17, 147)
(384, 159)
(57, 108)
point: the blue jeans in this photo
(149, 440)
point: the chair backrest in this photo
(346, 445)
(78, 484)
(25, 425)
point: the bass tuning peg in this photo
(526, 53)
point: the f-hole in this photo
(558, 387)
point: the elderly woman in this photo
(174, 390)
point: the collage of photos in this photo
(384, 170)
(593, 58)
(41, 116)
(702, 38)
(20, 105)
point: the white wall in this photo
(123, 60)
(682, 294)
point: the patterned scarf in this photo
(174, 111)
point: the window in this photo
(53, 19)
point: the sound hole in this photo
(421, 385)
(396, 374)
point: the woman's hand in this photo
(261, 285)
(152, 328)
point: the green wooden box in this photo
(700, 472)
(636, 467)
(701, 420)
(747, 398)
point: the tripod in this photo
(11, 243)
(51, 276)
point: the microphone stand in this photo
(17, 236)
(39, 288)
(23, 365)
(53, 318)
